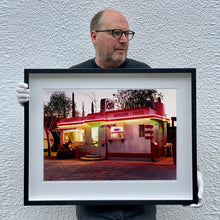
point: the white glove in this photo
(22, 93)
(200, 184)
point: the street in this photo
(71, 169)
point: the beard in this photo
(115, 59)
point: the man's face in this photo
(110, 52)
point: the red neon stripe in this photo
(149, 137)
(115, 119)
(148, 132)
(148, 126)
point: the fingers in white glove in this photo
(22, 98)
(22, 93)
(200, 185)
(22, 85)
(198, 205)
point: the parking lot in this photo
(72, 169)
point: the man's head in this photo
(111, 46)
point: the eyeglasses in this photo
(117, 33)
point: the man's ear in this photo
(93, 35)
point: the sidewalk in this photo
(164, 161)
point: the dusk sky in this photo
(95, 95)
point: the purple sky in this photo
(95, 95)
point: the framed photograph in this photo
(110, 136)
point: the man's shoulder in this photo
(130, 63)
(86, 64)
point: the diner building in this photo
(128, 133)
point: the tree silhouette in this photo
(92, 107)
(134, 98)
(59, 105)
(83, 109)
(73, 105)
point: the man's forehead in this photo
(114, 19)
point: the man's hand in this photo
(200, 191)
(22, 93)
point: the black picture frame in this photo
(182, 190)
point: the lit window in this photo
(117, 132)
(74, 135)
(95, 136)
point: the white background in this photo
(55, 34)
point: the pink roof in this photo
(125, 114)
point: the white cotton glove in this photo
(200, 184)
(22, 93)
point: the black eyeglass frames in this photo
(117, 33)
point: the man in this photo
(110, 35)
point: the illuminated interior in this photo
(95, 136)
(74, 135)
(117, 132)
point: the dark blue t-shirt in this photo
(128, 63)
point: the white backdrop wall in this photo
(55, 34)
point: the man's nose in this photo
(123, 38)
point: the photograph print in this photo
(109, 134)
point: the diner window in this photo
(95, 136)
(77, 135)
(141, 130)
(117, 132)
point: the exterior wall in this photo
(133, 144)
(120, 137)
(129, 145)
(55, 34)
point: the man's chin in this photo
(119, 59)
